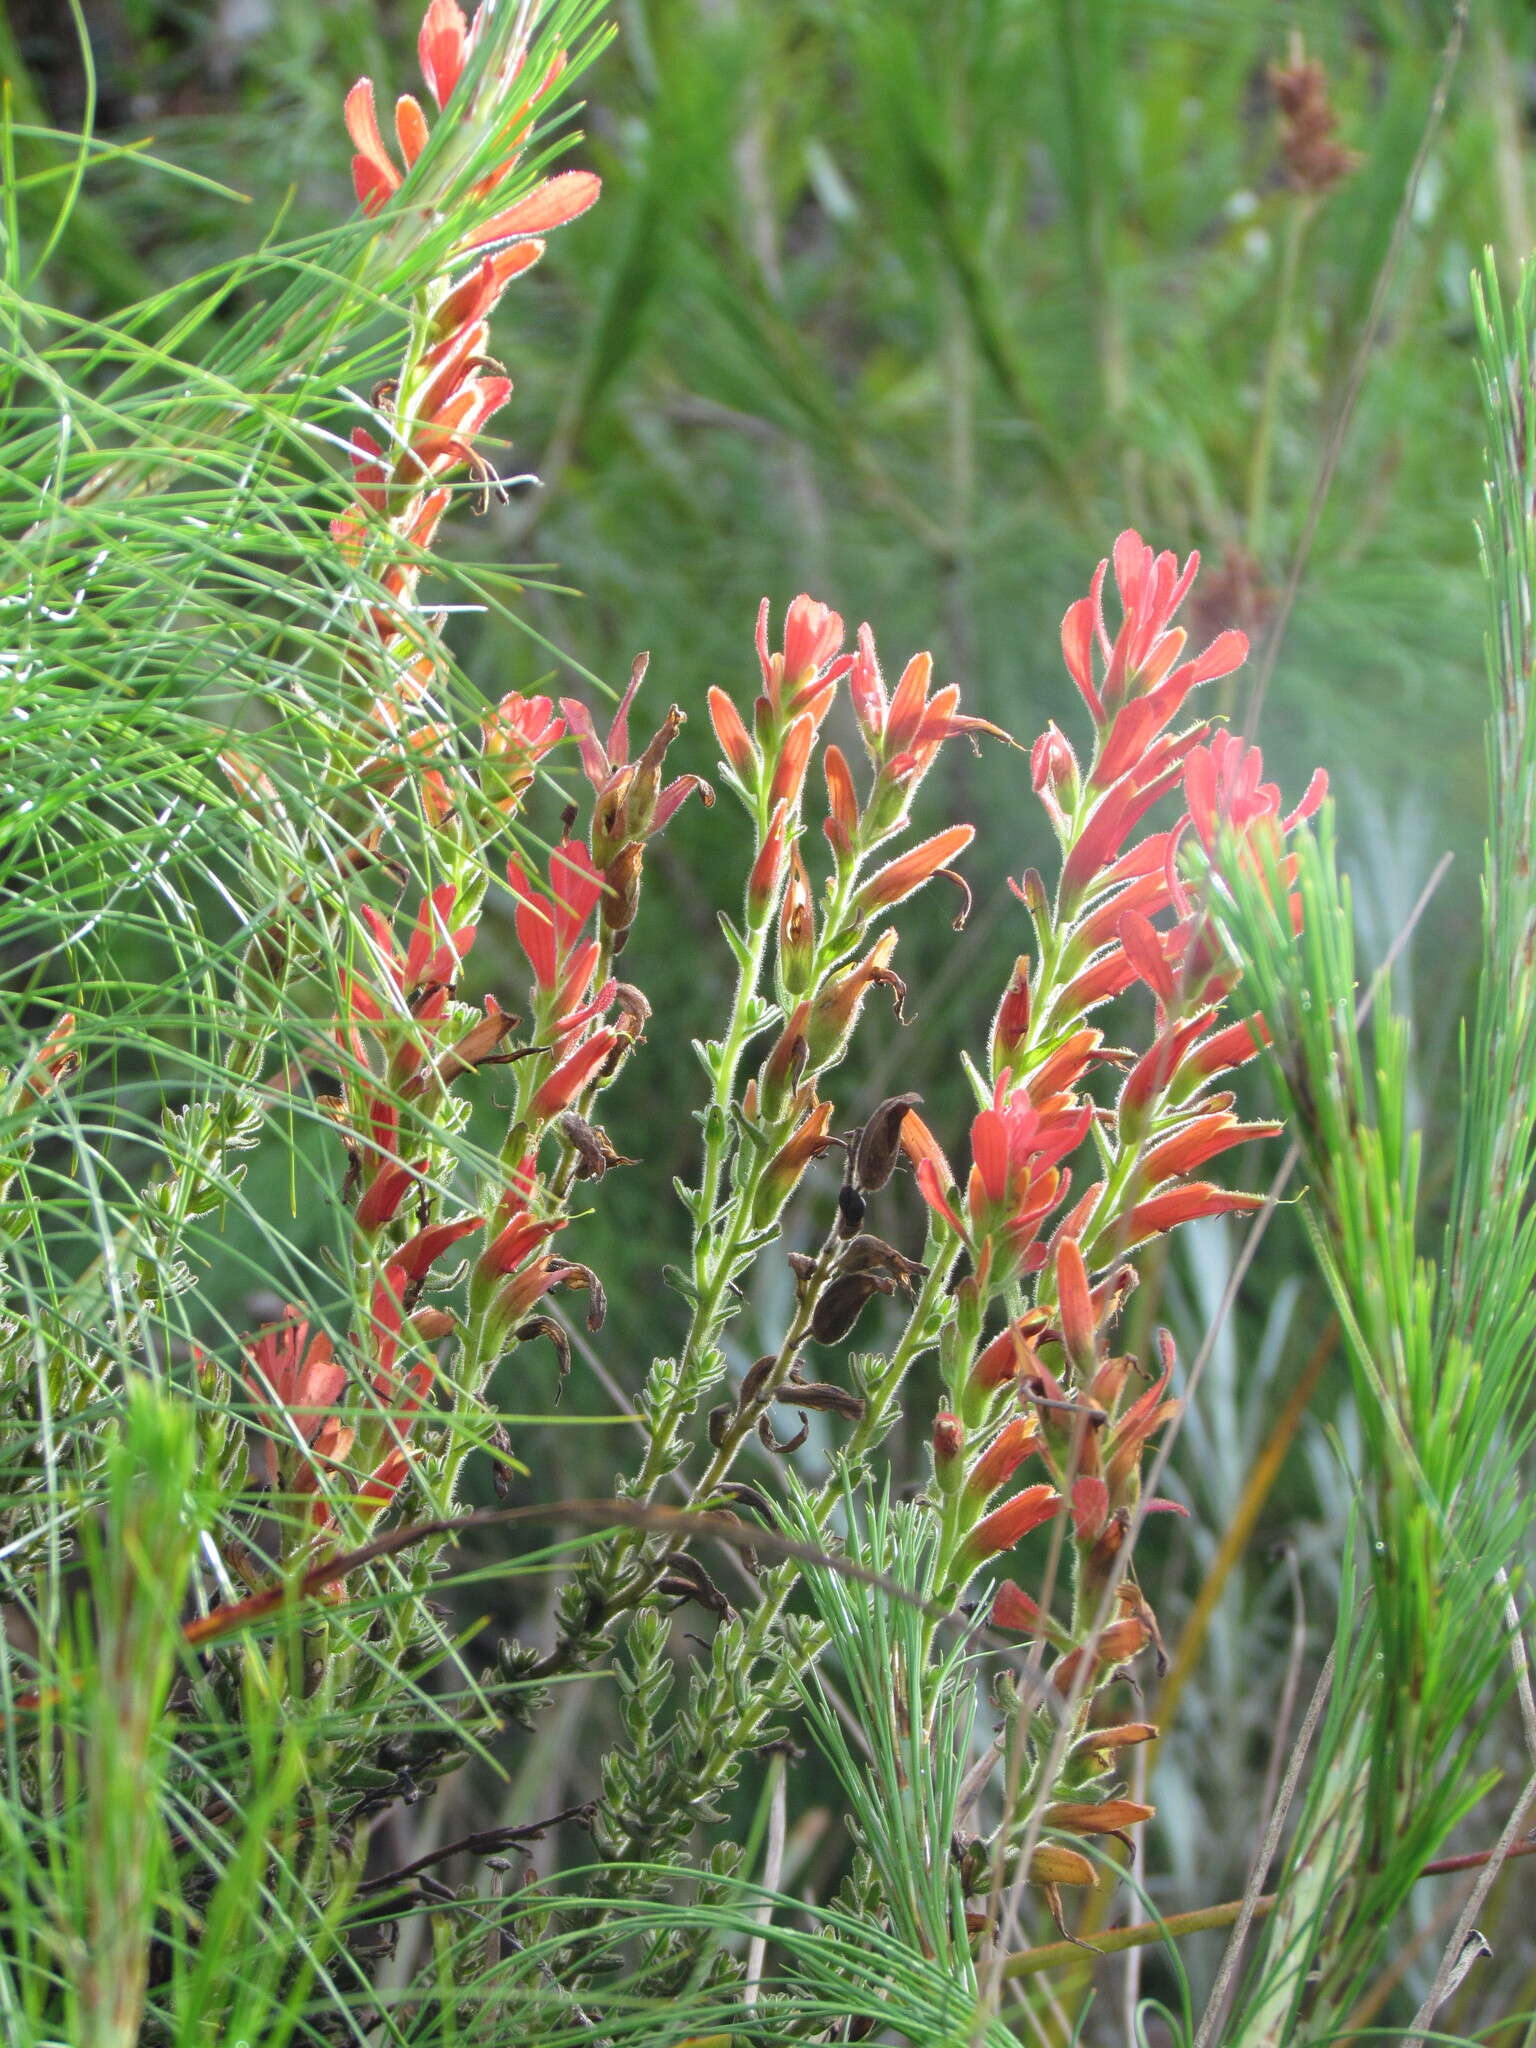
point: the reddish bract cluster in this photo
(1016, 1178)
(296, 1381)
(454, 388)
(1099, 936)
(403, 1046)
(631, 804)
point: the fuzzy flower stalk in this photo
(424, 441)
(1046, 1422)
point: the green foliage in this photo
(914, 306)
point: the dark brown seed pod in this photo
(843, 1303)
(546, 1326)
(771, 1443)
(688, 1578)
(720, 1420)
(869, 1254)
(850, 1209)
(756, 1378)
(592, 1145)
(879, 1144)
(820, 1394)
(746, 1495)
(572, 1275)
(499, 1445)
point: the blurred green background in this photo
(914, 304)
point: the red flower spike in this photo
(549, 926)
(1139, 722)
(1016, 1150)
(813, 635)
(1222, 788)
(804, 677)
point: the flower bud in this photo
(735, 742)
(1075, 1306)
(767, 869)
(612, 828)
(948, 1443)
(781, 1176)
(841, 824)
(621, 887)
(797, 929)
(836, 1008)
(784, 1065)
(1010, 1027)
(789, 768)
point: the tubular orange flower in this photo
(804, 677)
(735, 741)
(515, 737)
(782, 1174)
(1079, 1320)
(1018, 1439)
(841, 823)
(1186, 1204)
(835, 1010)
(1008, 1525)
(549, 928)
(565, 1085)
(904, 733)
(904, 876)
